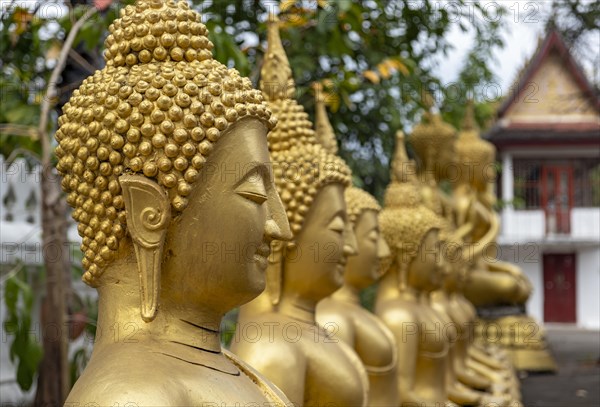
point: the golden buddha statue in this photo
(142, 149)
(359, 328)
(403, 299)
(489, 283)
(467, 386)
(497, 287)
(433, 140)
(307, 362)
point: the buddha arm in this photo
(407, 335)
(462, 231)
(491, 233)
(458, 393)
(505, 267)
(461, 218)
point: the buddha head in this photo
(143, 147)
(311, 183)
(364, 269)
(369, 247)
(433, 141)
(475, 156)
(411, 230)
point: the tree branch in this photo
(47, 102)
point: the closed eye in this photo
(337, 225)
(253, 196)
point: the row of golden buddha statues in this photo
(135, 144)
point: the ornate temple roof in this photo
(551, 103)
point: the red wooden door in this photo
(559, 288)
(557, 197)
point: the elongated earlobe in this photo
(275, 271)
(402, 276)
(148, 215)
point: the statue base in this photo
(522, 338)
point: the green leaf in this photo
(11, 295)
(24, 376)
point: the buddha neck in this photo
(427, 177)
(297, 307)
(450, 286)
(120, 321)
(462, 187)
(424, 297)
(440, 295)
(347, 293)
(394, 285)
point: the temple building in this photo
(547, 135)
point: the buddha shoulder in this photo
(330, 311)
(121, 379)
(396, 312)
(262, 341)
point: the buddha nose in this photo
(277, 226)
(350, 242)
(443, 265)
(383, 250)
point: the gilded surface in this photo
(403, 299)
(306, 361)
(357, 327)
(492, 283)
(493, 381)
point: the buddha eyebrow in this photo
(339, 212)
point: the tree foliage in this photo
(25, 351)
(375, 59)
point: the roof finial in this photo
(277, 82)
(323, 128)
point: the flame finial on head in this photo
(324, 130)
(471, 149)
(302, 166)
(405, 219)
(403, 168)
(402, 190)
(469, 122)
(276, 82)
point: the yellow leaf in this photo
(403, 69)
(372, 76)
(392, 64)
(22, 17)
(384, 70)
(286, 4)
(322, 3)
(298, 21)
(54, 51)
(328, 83)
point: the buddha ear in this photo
(275, 271)
(402, 275)
(148, 215)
